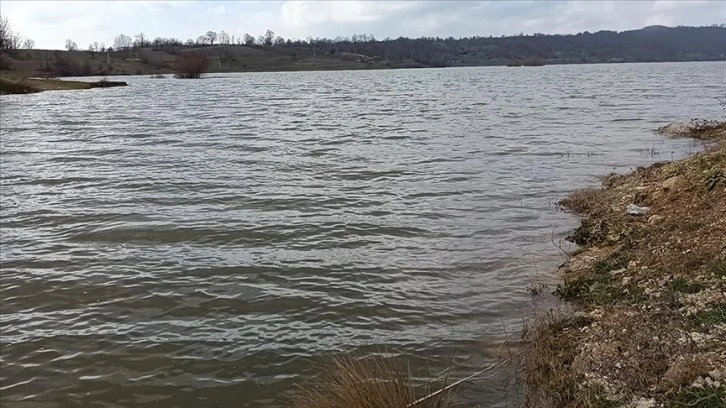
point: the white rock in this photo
(643, 403)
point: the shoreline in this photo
(32, 85)
(648, 290)
(325, 64)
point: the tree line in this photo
(10, 40)
(650, 44)
(210, 38)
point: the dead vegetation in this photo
(371, 382)
(33, 85)
(191, 65)
(651, 293)
(381, 380)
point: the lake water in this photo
(182, 243)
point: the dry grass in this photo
(27, 85)
(547, 358)
(382, 381)
(651, 292)
(371, 382)
(23, 85)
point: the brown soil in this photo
(650, 330)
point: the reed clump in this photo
(371, 382)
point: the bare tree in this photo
(261, 40)
(191, 65)
(28, 44)
(279, 41)
(122, 42)
(211, 36)
(140, 40)
(9, 40)
(249, 40)
(71, 45)
(223, 37)
(269, 37)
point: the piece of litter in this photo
(633, 209)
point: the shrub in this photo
(191, 65)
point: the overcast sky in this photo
(51, 23)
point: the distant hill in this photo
(650, 44)
(148, 60)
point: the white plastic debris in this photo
(633, 209)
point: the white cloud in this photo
(305, 13)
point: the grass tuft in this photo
(599, 289)
(682, 285)
(370, 382)
(719, 270)
(706, 319)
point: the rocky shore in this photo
(648, 288)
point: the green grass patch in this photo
(701, 398)
(682, 285)
(572, 290)
(602, 288)
(615, 261)
(603, 294)
(706, 319)
(719, 269)
(599, 291)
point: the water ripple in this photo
(192, 243)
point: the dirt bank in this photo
(649, 290)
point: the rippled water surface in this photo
(206, 243)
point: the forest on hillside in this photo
(650, 44)
(271, 52)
